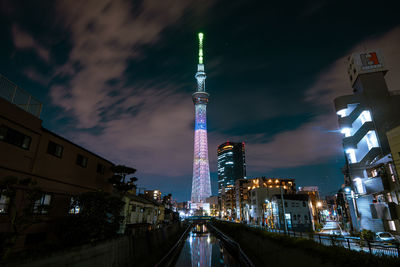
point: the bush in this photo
(98, 219)
(367, 235)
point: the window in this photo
(14, 137)
(55, 149)
(392, 226)
(101, 168)
(304, 203)
(42, 205)
(74, 206)
(4, 203)
(305, 217)
(133, 208)
(81, 160)
(286, 204)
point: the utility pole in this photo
(283, 208)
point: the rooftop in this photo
(19, 97)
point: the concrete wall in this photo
(144, 250)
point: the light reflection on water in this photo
(202, 249)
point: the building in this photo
(153, 194)
(231, 165)
(313, 194)
(364, 118)
(297, 211)
(250, 194)
(60, 167)
(228, 204)
(201, 185)
(215, 206)
(394, 143)
(141, 214)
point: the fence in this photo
(353, 243)
(19, 97)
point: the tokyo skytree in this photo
(201, 186)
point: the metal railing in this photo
(348, 242)
(169, 258)
(19, 97)
(233, 246)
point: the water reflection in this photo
(202, 249)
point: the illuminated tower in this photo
(201, 186)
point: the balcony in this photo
(373, 185)
(352, 141)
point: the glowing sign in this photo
(369, 59)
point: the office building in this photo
(364, 118)
(231, 165)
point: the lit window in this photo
(74, 206)
(359, 185)
(4, 203)
(389, 197)
(372, 141)
(346, 132)
(392, 172)
(42, 205)
(341, 113)
(365, 116)
(392, 226)
(351, 155)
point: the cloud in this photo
(23, 40)
(148, 125)
(105, 35)
(334, 82)
(316, 141)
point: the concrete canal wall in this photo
(142, 250)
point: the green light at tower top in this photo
(201, 35)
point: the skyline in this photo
(113, 80)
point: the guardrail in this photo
(169, 258)
(16, 95)
(233, 246)
(349, 242)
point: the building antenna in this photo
(201, 36)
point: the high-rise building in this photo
(231, 165)
(201, 185)
(364, 119)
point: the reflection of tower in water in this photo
(201, 249)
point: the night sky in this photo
(116, 77)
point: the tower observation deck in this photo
(201, 186)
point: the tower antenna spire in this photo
(201, 36)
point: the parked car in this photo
(385, 237)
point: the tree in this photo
(21, 218)
(99, 218)
(119, 179)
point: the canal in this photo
(203, 249)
